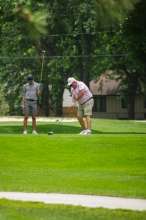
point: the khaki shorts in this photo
(85, 109)
(30, 108)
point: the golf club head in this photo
(50, 132)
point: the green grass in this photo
(14, 210)
(110, 162)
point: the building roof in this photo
(103, 85)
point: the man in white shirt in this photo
(81, 93)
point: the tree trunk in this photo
(131, 107)
(132, 82)
(86, 76)
(45, 101)
(59, 99)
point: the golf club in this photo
(51, 132)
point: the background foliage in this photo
(4, 108)
(76, 37)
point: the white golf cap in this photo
(70, 81)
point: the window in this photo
(124, 103)
(99, 104)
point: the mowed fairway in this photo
(110, 162)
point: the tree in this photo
(134, 32)
(18, 51)
(70, 44)
(131, 41)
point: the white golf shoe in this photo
(82, 132)
(34, 132)
(86, 132)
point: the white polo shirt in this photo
(75, 92)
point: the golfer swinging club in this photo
(30, 94)
(80, 93)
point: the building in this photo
(107, 101)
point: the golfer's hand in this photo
(73, 105)
(23, 107)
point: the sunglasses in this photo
(71, 84)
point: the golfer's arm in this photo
(40, 91)
(73, 101)
(23, 100)
(81, 93)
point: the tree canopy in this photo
(72, 35)
(130, 41)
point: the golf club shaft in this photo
(62, 118)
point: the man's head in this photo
(30, 79)
(72, 82)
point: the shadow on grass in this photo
(41, 129)
(57, 129)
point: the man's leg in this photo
(81, 121)
(88, 113)
(34, 113)
(33, 122)
(26, 115)
(88, 121)
(25, 122)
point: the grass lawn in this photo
(110, 162)
(15, 210)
